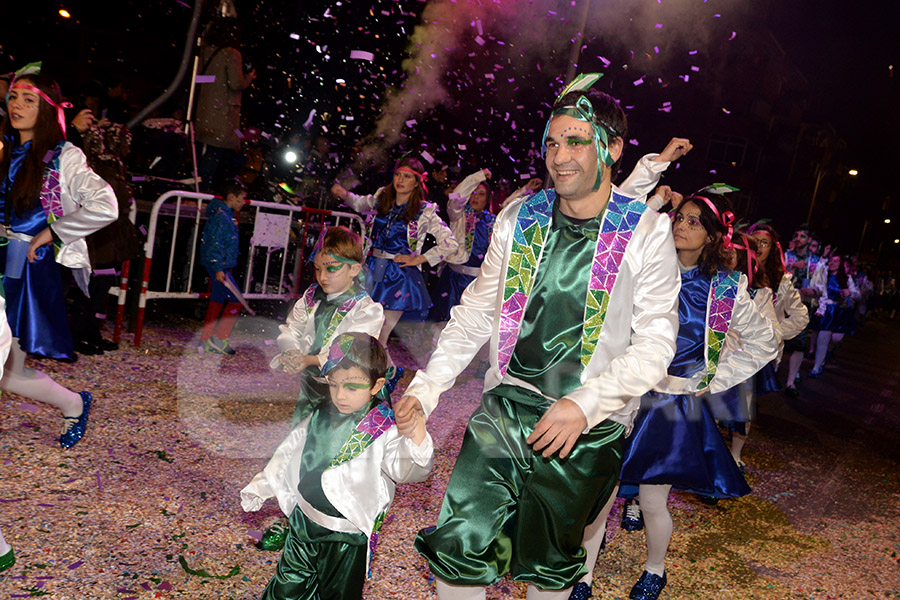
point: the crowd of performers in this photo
(624, 328)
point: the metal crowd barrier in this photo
(176, 220)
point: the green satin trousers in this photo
(509, 510)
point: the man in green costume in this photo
(578, 297)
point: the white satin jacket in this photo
(751, 343)
(361, 488)
(299, 330)
(88, 204)
(791, 312)
(634, 348)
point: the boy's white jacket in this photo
(361, 488)
(635, 346)
(299, 330)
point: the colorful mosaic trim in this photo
(412, 234)
(470, 228)
(376, 422)
(51, 189)
(339, 314)
(722, 293)
(532, 226)
(619, 222)
(373, 539)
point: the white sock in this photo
(657, 524)
(539, 594)
(4, 547)
(35, 385)
(447, 591)
(824, 338)
(593, 537)
(794, 367)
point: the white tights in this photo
(657, 524)
(822, 343)
(35, 385)
(794, 367)
(391, 318)
(4, 547)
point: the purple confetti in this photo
(28, 407)
(205, 79)
(76, 564)
(362, 55)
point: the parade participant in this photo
(335, 476)
(542, 452)
(472, 223)
(837, 295)
(722, 340)
(219, 246)
(337, 304)
(802, 264)
(791, 318)
(50, 200)
(403, 219)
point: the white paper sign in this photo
(271, 230)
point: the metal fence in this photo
(270, 263)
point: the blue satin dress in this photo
(393, 286)
(675, 440)
(837, 318)
(35, 302)
(451, 285)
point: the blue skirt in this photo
(765, 381)
(836, 320)
(396, 287)
(36, 307)
(676, 442)
(448, 293)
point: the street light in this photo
(887, 221)
(897, 241)
(853, 172)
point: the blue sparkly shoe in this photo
(581, 591)
(814, 373)
(648, 587)
(77, 425)
(632, 519)
(7, 560)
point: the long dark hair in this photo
(772, 270)
(389, 194)
(26, 188)
(841, 274)
(714, 256)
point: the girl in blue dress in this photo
(49, 201)
(837, 295)
(402, 220)
(675, 441)
(472, 224)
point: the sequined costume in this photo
(334, 476)
(722, 340)
(314, 321)
(395, 287)
(75, 201)
(578, 309)
(473, 232)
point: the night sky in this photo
(478, 77)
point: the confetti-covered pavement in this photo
(147, 505)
